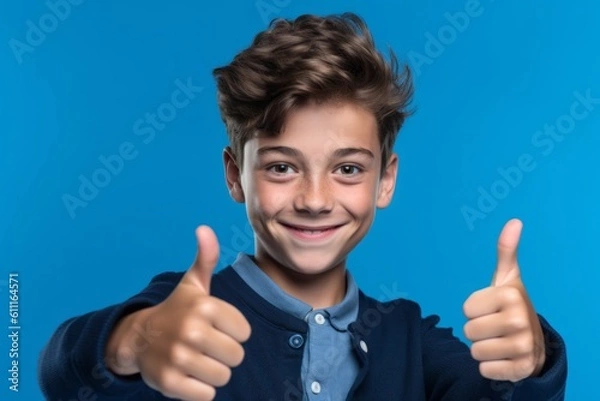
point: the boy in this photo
(312, 111)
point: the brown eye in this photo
(349, 170)
(280, 168)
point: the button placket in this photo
(319, 318)
(315, 387)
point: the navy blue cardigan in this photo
(407, 357)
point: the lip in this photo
(319, 233)
(313, 228)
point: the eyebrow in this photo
(353, 151)
(279, 149)
(291, 152)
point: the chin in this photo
(312, 263)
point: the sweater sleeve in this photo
(71, 365)
(551, 383)
(452, 374)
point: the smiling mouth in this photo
(306, 232)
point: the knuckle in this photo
(511, 295)
(167, 384)
(125, 356)
(192, 331)
(196, 335)
(207, 308)
(178, 357)
(518, 322)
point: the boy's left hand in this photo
(505, 330)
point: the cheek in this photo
(269, 199)
(360, 201)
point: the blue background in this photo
(76, 96)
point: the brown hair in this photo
(311, 59)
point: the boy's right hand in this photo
(196, 337)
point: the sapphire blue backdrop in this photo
(110, 156)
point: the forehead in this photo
(318, 129)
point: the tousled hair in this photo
(311, 59)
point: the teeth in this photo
(312, 232)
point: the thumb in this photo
(507, 268)
(200, 273)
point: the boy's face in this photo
(311, 192)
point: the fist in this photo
(505, 331)
(201, 335)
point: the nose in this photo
(314, 196)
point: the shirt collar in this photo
(345, 312)
(340, 315)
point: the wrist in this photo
(540, 366)
(120, 352)
(539, 353)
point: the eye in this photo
(349, 169)
(280, 169)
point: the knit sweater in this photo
(402, 355)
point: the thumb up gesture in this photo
(505, 331)
(197, 336)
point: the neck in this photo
(317, 290)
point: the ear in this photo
(387, 182)
(232, 176)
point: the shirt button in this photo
(320, 319)
(363, 346)
(296, 341)
(315, 387)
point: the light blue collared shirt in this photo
(329, 366)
